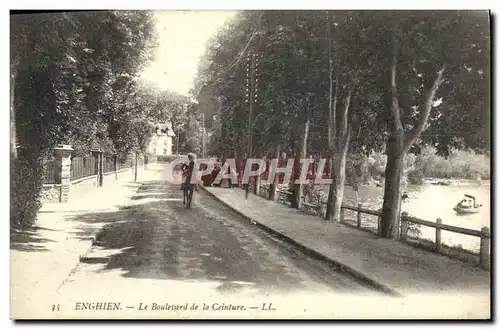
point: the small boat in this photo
(466, 211)
(468, 206)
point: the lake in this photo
(429, 202)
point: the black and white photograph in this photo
(250, 164)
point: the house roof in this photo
(166, 126)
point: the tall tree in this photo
(65, 66)
(428, 53)
(346, 62)
(351, 96)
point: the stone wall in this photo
(51, 193)
(69, 189)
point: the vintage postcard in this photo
(263, 164)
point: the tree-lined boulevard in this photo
(346, 99)
(358, 82)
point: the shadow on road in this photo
(28, 240)
(32, 239)
(163, 240)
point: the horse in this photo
(188, 190)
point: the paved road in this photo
(208, 247)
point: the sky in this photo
(182, 37)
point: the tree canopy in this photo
(294, 63)
(81, 70)
(390, 81)
(74, 81)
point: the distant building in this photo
(161, 140)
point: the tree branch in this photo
(419, 128)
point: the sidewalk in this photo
(389, 265)
(42, 258)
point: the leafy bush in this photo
(416, 177)
(460, 164)
(26, 178)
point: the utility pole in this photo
(203, 136)
(135, 165)
(251, 98)
(177, 147)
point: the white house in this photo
(161, 140)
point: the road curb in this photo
(311, 252)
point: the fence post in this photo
(404, 226)
(115, 166)
(342, 214)
(484, 248)
(320, 206)
(62, 155)
(358, 224)
(101, 168)
(379, 223)
(257, 185)
(97, 153)
(131, 165)
(438, 235)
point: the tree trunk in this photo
(336, 192)
(392, 192)
(329, 165)
(297, 188)
(398, 145)
(13, 148)
(258, 178)
(274, 184)
(342, 134)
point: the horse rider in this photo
(187, 173)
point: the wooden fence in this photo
(82, 167)
(126, 163)
(318, 206)
(108, 164)
(111, 164)
(483, 234)
(51, 172)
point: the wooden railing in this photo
(82, 167)
(108, 164)
(483, 234)
(127, 163)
